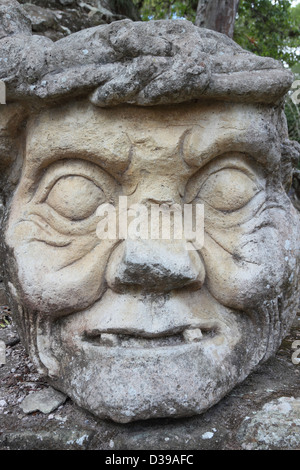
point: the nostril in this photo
(154, 266)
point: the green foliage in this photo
(167, 9)
(292, 112)
(271, 28)
(268, 28)
(4, 321)
(264, 27)
(295, 12)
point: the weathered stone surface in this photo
(275, 426)
(56, 19)
(8, 334)
(48, 22)
(151, 63)
(13, 20)
(46, 401)
(217, 429)
(3, 296)
(159, 114)
(46, 440)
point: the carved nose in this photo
(154, 265)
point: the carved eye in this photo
(75, 197)
(228, 190)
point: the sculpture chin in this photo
(126, 374)
(131, 383)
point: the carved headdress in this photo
(138, 63)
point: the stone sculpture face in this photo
(162, 113)
(116, 323)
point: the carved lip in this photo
(144, 339)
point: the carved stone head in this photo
(162, 113)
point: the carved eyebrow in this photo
(261, 145)
(99, 155)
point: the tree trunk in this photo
(218, 15)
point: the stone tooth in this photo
(108, 339)
(192, 335)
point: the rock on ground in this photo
(275, 425)
(46, 401)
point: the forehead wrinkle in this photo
(151, 150)
(44, 149)
(204, 143)
(232, 128)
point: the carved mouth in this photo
(148, 340)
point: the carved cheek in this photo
(235, 283)
(248, 265)
(60, 260)
(58, 292)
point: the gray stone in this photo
(72, 428)
(275, 426)
(143, 63)
(9, 336)
(46, 21)
(59, 439)
(13, 19)
(58, 18)
(46, 401)
(66, 2)
(141, 327)
(3, 296)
